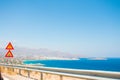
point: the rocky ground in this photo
(14, 77)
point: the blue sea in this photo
(111, 64)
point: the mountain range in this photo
(42, 52)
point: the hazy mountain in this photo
(27, 52)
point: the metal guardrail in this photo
(84, 74)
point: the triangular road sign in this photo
(9, 46)
(9, 54)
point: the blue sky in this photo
(88, 27)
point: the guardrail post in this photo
(19, 71)
(28, 74)
(41, 74)
(13, 69)
(61, 77)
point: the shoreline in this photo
(50, 59)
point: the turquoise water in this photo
(111, 64)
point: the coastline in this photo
(52, 59)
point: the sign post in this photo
(9, 48)
(9, 53)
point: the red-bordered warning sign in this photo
(9, 54)
(9, 46)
